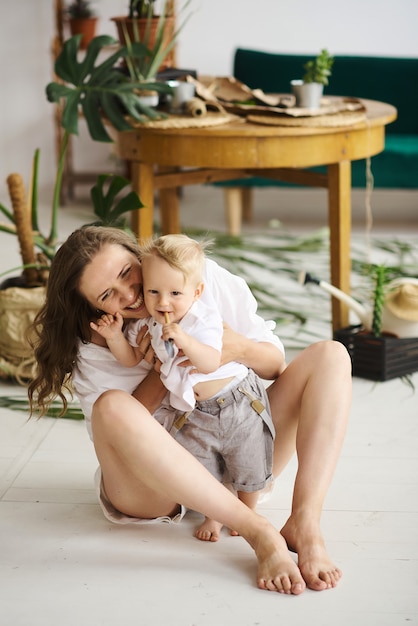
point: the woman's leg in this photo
(310, 405)
(146, 473)
(210, 529)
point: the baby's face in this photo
(166, 291)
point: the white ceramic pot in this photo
(183, 92)
(308, 95)
(149, 99)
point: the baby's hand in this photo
(108, 326)
(174, 332)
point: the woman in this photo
(145, 473)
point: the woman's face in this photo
(112, 282)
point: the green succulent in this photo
(319, 70)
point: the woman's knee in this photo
(114, 409)
(330, 352)
(338, 355)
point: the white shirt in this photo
(204, 324)
(97, 370)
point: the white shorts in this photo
(116, 517)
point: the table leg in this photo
(142, 175)
(233, 210)
(169, 206)
(247, 204)
(339, 219)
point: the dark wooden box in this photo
(379, 358)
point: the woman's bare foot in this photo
(276, 569)
(316, 567)
(209, 530)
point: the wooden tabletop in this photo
(240, 144)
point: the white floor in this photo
(62, 564)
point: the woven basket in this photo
(18, 308)
(187, 121)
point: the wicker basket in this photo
(379, 358)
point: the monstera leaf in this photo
(99, 90)
(107, 203)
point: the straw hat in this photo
(403, 302)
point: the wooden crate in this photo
(379, 358)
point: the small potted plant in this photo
(157, 33)
(376, 353)
(82, 20)
(308, 90)
(141, 8)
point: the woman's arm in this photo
(150, 392)
(266, 359)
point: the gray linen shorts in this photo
(232, 437)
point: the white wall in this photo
(216, 28)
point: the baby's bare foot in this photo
(315, 565)
(209, 530)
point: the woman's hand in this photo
(263, 357)
(143, 341)
(232, 345)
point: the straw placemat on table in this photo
(186, 121)
(337, 119)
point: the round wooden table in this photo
(240, 149)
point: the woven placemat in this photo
(341, 119)
(187, 121)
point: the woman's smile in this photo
(138, 304)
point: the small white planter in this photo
(308, 95)
(149, 99)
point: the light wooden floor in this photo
(62, 564)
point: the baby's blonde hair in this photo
(181, 253)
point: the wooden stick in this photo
(169, 343)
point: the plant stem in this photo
(34, 190)
(53, 235)
(380, 279)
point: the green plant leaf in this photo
(7, 213)
(91, 111)
(104, 195)
(97, 90)
(130, 202)
(70, 113)
(20, 403)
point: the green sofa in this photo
(392, 80)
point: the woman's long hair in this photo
(65, 317)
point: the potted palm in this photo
(82, 21)
(308, 90)
(104, 96)
(143, 29)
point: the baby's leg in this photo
(249, 498)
